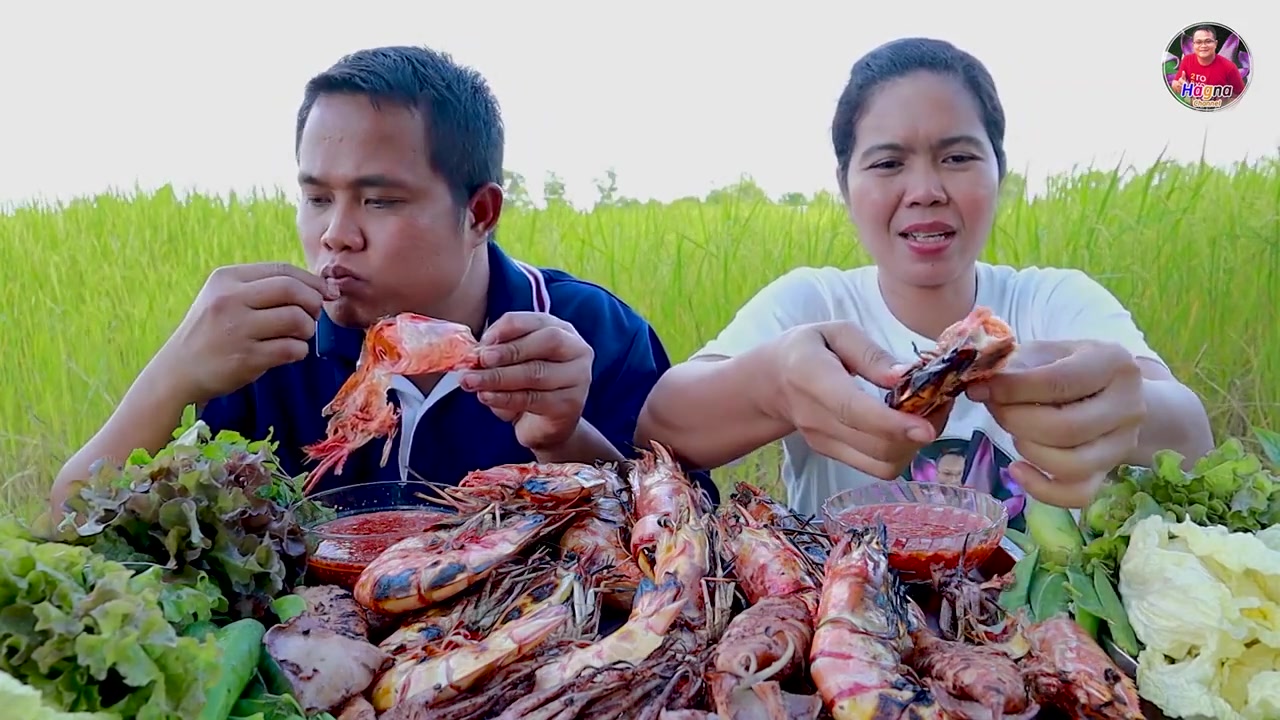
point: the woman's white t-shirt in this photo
(972, 450)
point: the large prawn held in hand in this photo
(406, 344)
(970, 351)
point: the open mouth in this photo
(933, 238)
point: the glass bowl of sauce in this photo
(929, 525)
(360, 521)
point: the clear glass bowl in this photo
(357, 522)
(929, 525)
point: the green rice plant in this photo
(95, 286)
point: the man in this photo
(1204, 66)
(399, 155)
(951, 469)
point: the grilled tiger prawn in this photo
(760, 509)
(768, 642)
(405, 344)
(861, 634)
(808, 537)
(644, 632)
(454, 670)
(970, 682)
(598, 540)
(1067, 669)
(426, 569)
(684, 553)
(1063, 666)
(969, 351)
(537, 483)
(659, 488)
(476, 643)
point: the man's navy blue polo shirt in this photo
(456, 434)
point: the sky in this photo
(677, 97)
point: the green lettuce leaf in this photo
(1229, 487)
(90, 635)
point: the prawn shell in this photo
(855, 659)
(981, 674)
(404, 344)
(423, 570)
(969, 351)
(927, 388)
(1067, 669)
(759, 637)
(451, 673)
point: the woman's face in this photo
(923, 180)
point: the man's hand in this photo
(536, 372)
(1074, 410)
(246, 320)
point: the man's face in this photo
(374, 216)
(1204, 44)
(951, 469)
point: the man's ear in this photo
(483, 211)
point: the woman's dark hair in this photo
(903, 57)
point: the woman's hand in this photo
(1074, 409)
(836, 417)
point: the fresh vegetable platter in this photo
(1177, 573)
(174, 588)
(152, 598)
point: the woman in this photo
(919, 145)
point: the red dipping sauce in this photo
(348, 544)
(923, 536)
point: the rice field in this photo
(96, 285)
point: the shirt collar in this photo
(513, 287)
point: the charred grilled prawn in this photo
(683, 552)
(1066, 669)
(656, 609)
(768, 643)
(456, 670)
(537, 483)
(970, 682)
(427, 569)
(1062, 665)
(969, 351)
(806, 535)
(599, 540)
(861, 634)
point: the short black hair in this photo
(1207, 28)
(903, 57)
(461, 118)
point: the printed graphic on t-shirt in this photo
(975, 463)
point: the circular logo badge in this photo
(1207, 67)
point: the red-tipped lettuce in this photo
(203, 507)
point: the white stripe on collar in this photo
(537, 287)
